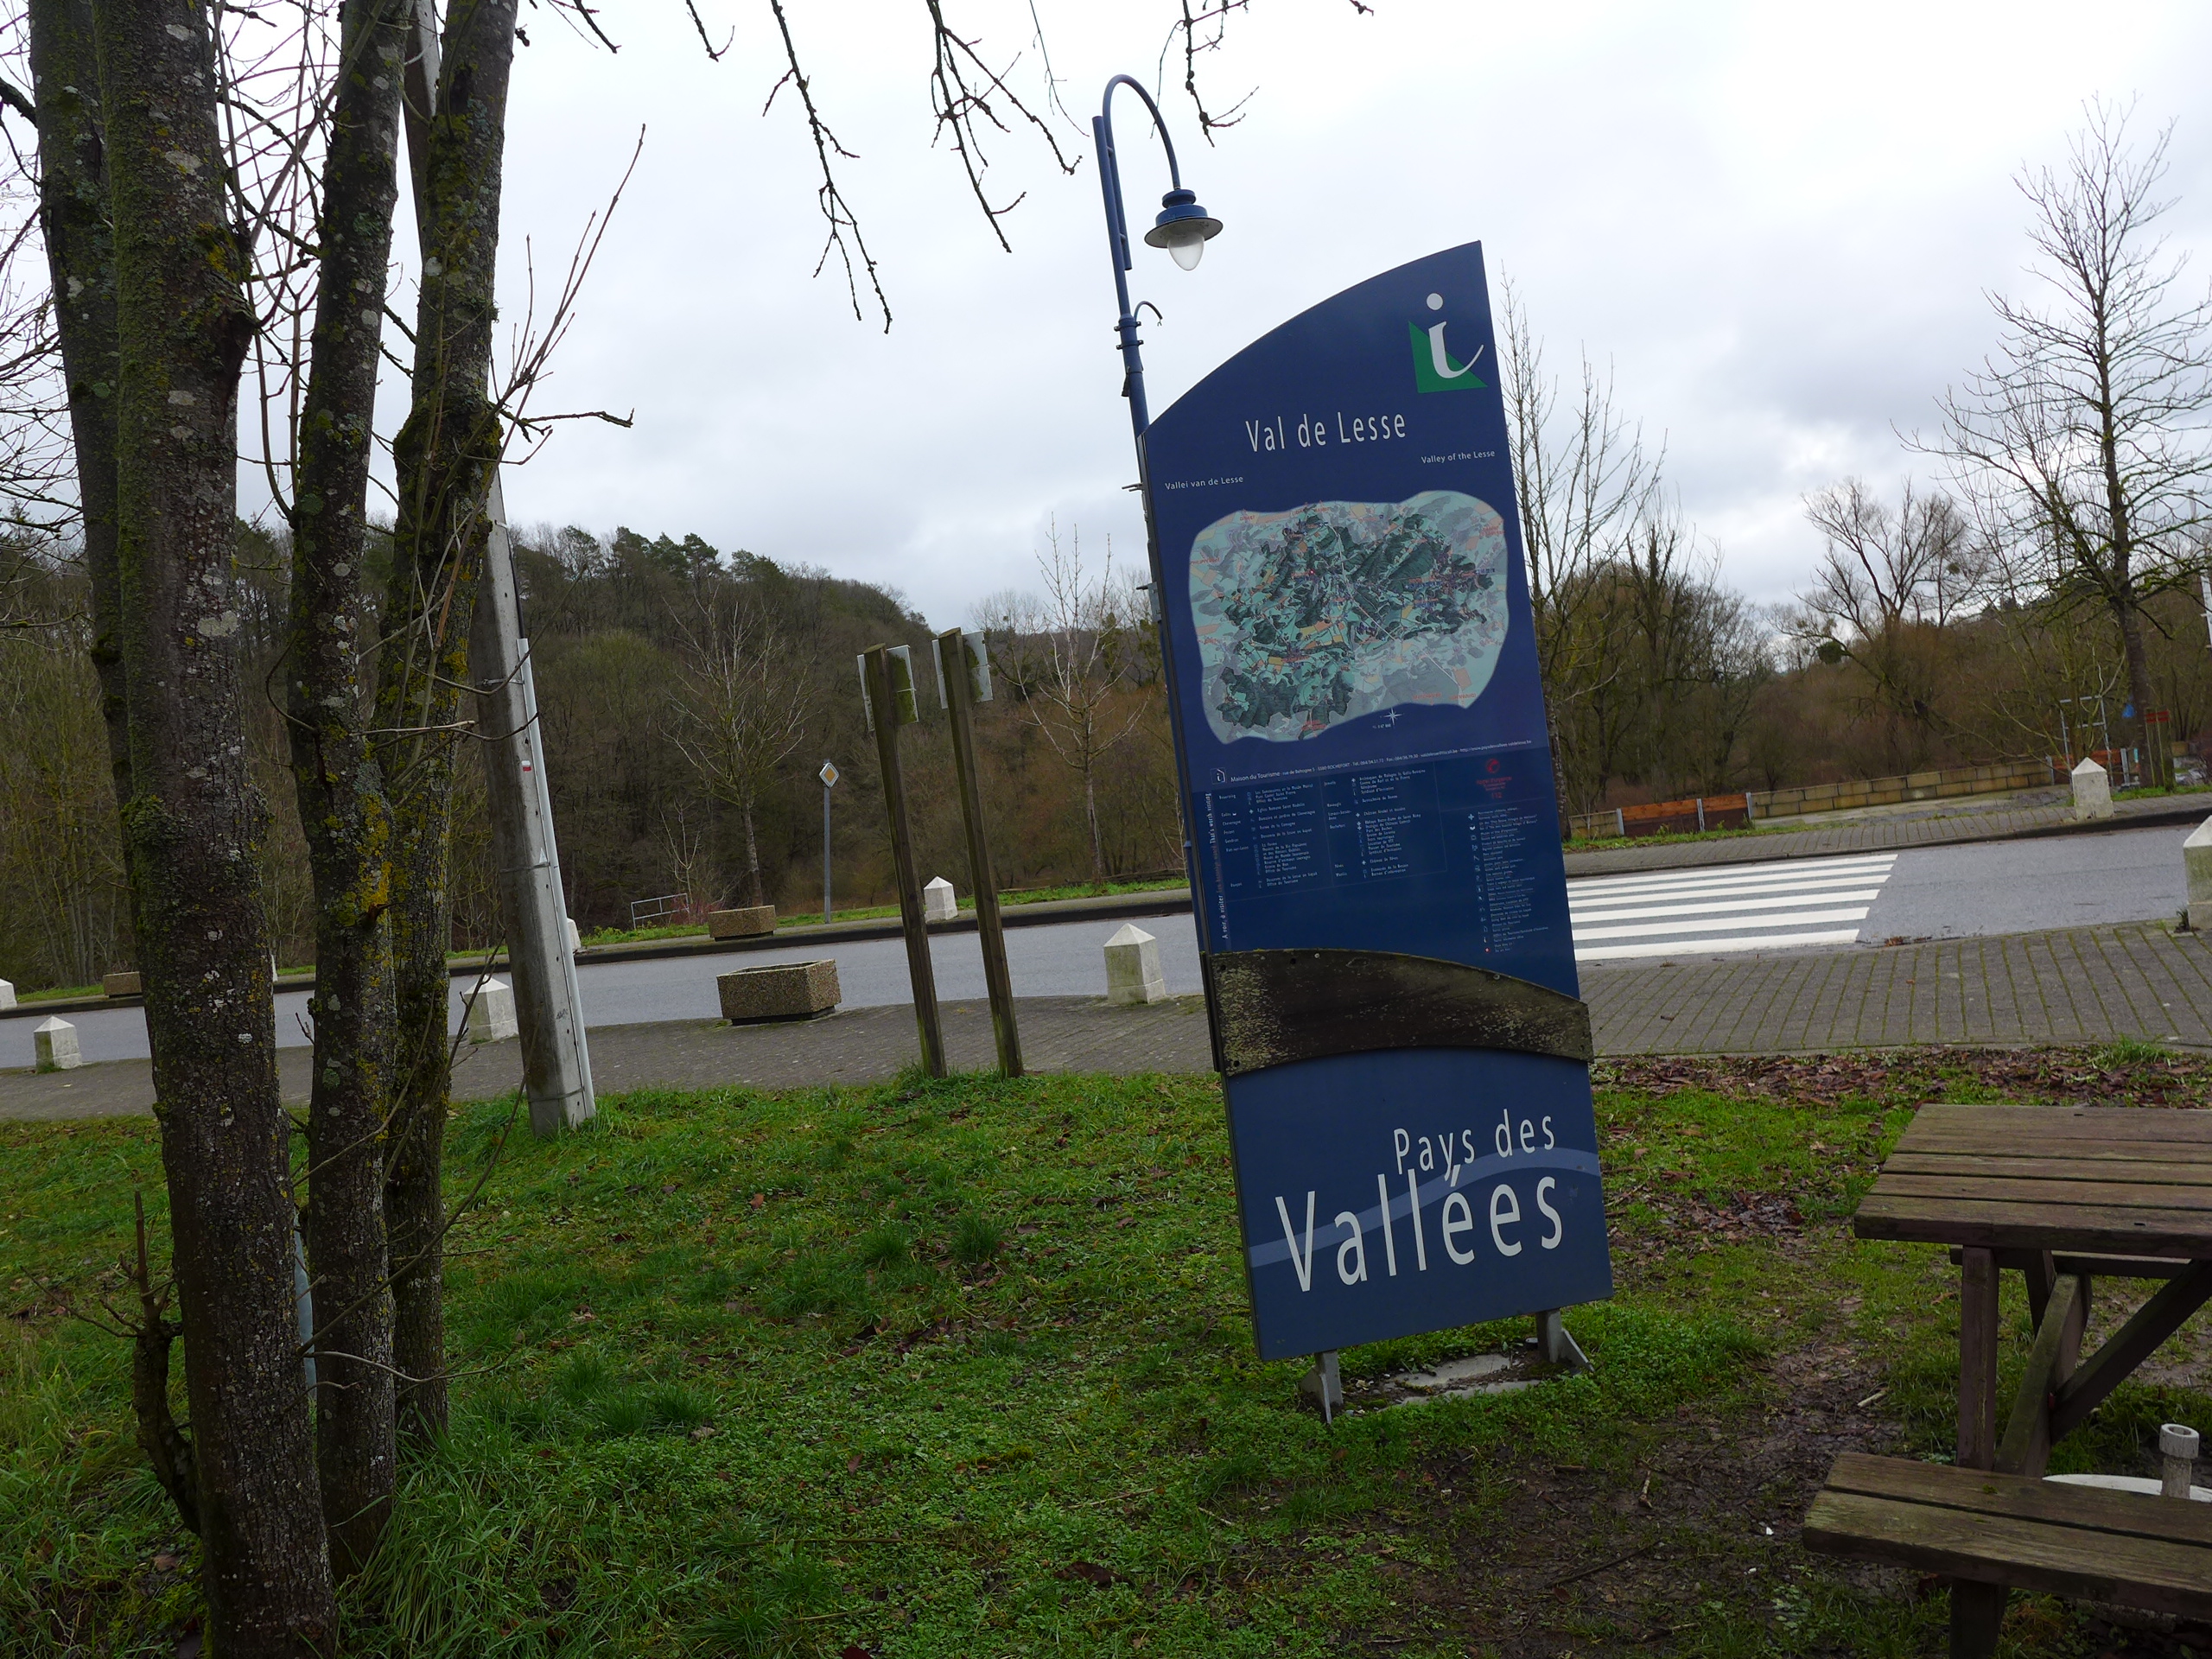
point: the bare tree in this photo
(2084, 436)
(1889, 582)
(1881, 569)
(1584, 482)
(1068, 657)
(740, 713)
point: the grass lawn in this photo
(964, 1368)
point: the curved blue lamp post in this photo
(1183, 228)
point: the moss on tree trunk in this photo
(343, 810)
(194, 827)
(445, 454)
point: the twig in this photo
(1591, 1572)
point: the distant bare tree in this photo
(1584, 484)
(1919, 564)
(1069, 656)
(2084, 436)
(741, 712)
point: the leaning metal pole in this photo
(549, 1003)
(1117, 238)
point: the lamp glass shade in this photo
(1183, 228)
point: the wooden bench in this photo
(2011, 1532)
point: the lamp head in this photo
(1183, 228)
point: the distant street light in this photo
(1183, 228)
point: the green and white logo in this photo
(1434, 369)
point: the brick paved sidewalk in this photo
(2077, 985)
(1882, 835)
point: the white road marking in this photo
(1764, 907)
(1732, 907)
(1795, 918)
(1706, 947)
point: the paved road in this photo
(1937, 892)
(1060, 960)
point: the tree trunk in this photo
(445, 454)
(752, 858)
(194, 829)
(1090, 816)
(342, 806)
(80, 258)
(2129, 616)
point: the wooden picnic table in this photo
(2063, 1195)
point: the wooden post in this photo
(884, 713)
(953, 671)
(1977, 1610)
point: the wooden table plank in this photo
(2022, 1496)
(2147, 1573)
(1997, 1224)
(1959, 1143)
(2071, 1122)
(2011, 1166)
(2119, 1195)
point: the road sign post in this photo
(887, 692)
(829, 777)
(1377, 877)
(964, 679)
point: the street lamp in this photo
(1183, 228)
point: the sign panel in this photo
(1364, 730)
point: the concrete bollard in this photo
(7, 993)
(939, 903)
(55, 1043)
(783, 990)
(741, 924)
(576, 938)
(492, 1013)
(2196, 866)
(2177, 1446)
(2092, 791)
(1132, 973)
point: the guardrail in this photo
(1699, 812)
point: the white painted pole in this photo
(549, 1003)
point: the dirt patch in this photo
(1549, 1558)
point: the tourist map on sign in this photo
(1343, 608)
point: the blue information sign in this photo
(1367, 769)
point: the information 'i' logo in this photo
(1434, 369)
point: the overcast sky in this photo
(1778, 224)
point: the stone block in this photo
(576, 938)
(2092, 791)
(784, 990)
(124, 984)
(741, 924)
(492, 1013)
(939, 903)
(2197, 865)
(7, 993)
(55, 1044)
(1132, 973)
